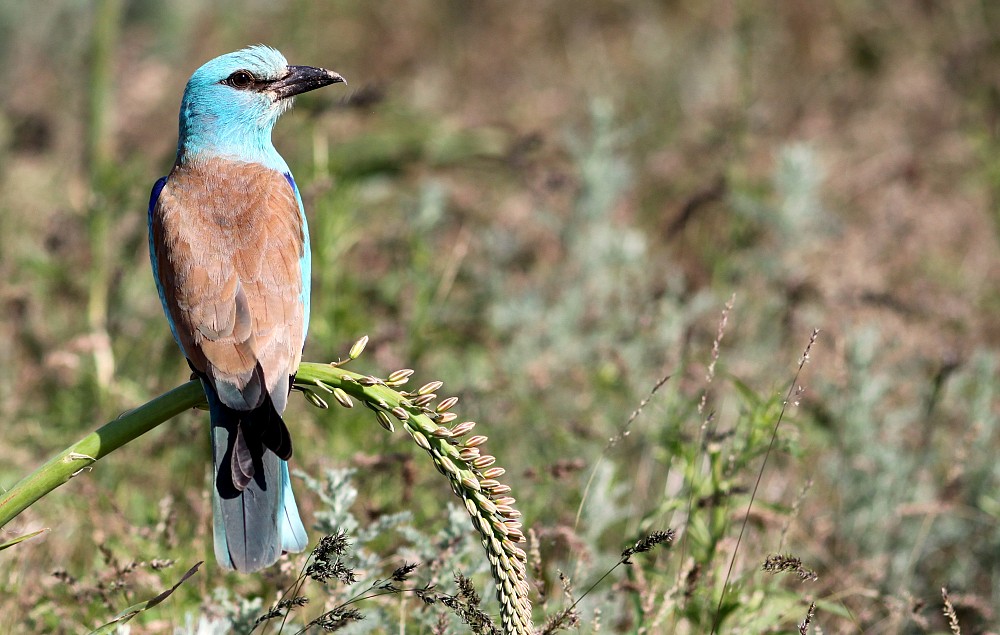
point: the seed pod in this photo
(449, 466)
(423, 400)
(398, 377)
(446, 417)
(419, 438)
(470, 483)
(487, 505)
(385, 421)
(315, 399)
(446, 404)
(429, 387)
(358, 347)
(463, 428)
(342, 398)
(484, 461)
(477, 440)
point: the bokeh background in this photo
(547, 205)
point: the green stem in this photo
(108, 438)
(100, 143)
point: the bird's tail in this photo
(254, 511)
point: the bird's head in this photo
(232, 102)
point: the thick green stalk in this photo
(99, 165)
(108, 438)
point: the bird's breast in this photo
(230, 239)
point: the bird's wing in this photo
(227, 239)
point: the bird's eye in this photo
(241, 79)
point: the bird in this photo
(229, 248)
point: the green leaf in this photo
(11, 543)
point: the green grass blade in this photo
(19, 539)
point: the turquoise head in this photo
(232, 102)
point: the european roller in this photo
(229, 247)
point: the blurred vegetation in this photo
(546, 205)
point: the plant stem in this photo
(108, 438)
(99, 165)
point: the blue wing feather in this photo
(154, 196)
(305, 262)
(293, 533)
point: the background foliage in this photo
(546, 205)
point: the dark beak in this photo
(302, 79)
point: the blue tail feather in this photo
(293, 533)
(255, 517)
